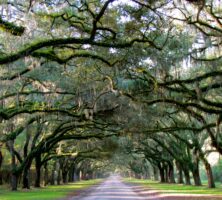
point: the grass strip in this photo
(45, 193)
(177, 188)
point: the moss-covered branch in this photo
(14, 94)
(63, 41)
(180, 128)
(15, 133)
(54, 57)
(8, 113)
(11, 27)
(193, 80)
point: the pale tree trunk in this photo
(155, 173)
(209, 173)
(210, 178)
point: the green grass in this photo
(46, 193)
(178, 188)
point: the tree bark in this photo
(59, 177)
(209, 173)
(76, 175)
(179, 174)
(210, 178)
(64, 176)
(58, 173)
(14, 175)
(166, 174)
(196, 176)
(1, 161)
(14, 181)
(195, 168)
(70, 175)
(26, 177)
(38, 171)
(162, 174)
(171, 173)
(46, 176)
(187, 176)
(155, 173)
(52, 180)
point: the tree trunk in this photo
(1, 155)
(211, 183)
(155, 173)
(162, 174)
(76, 175)
(52, 180)
(147, 174)
(71, 174)
(209, 173)
(46, 177)
(171, 173)
(64, 176)
(14, 175)
(58, 167)
(195, 168)
(179, 174)
(196, 176)
(59, 177)
(187, 176)
(38, 171)
(26, 174)
(166, 174)
(1, 160)
(26, 177)
(14, 181)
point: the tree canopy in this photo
(88, 82)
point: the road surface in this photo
(112, 189)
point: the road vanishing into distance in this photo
(112, 189)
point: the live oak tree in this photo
(72, 71)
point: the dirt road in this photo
(112, 189)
